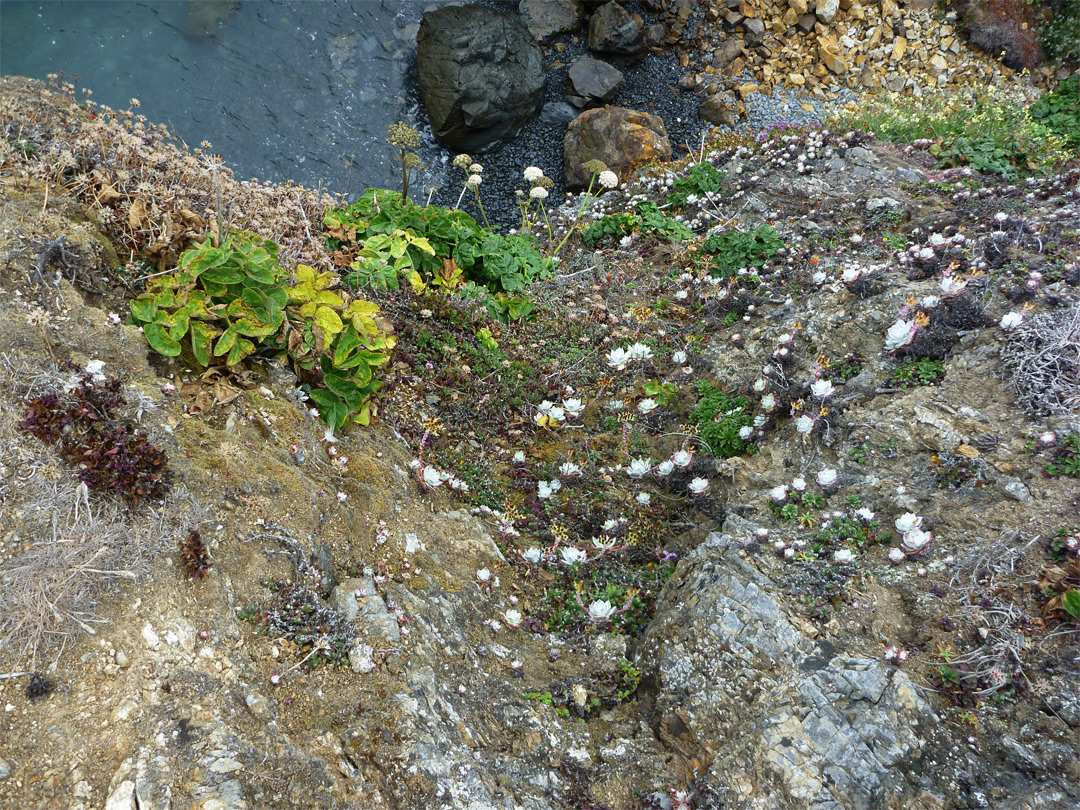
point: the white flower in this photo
(573, 407)
(474, 180)
(639, 351)
(432, 477)
(851, 275)
(804, 424)
(1048, 438)
(639, 467)
(533, 173)
(952, 288)
(571, 556)
(900, 334)
(483, 575)
(926, 254)
(557, 414)
(569, 469)
(601, 610)
(760, 384)
(519, 457)
(608, 179)
(1001, 216)
(819, 277)
(936, 240)
(618, 359)
(544, 490)
(342, 497)
(746, 432)
(682, 458)
(699, 486)
(476, 168)
(512, 618)
(665, 468)
(822, 388)
(643, 498)
(789, 553)
(827, 478)
(908, 521)
(844, 555)
(864, 515)
(916, 541)
(678, 358)
(768, 403)
(929, 301)
(538, 193)
(896, 555)
(799, 484)
(532, 555)
(647, 406)
(603, 542)
(778, 494)
(1011, 320)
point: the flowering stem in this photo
(577, 220)
(461, 196)
(476, 191)
(543, 210)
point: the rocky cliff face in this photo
(363, 640)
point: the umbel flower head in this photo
(403, 136)
(608, 179)
(533, 173)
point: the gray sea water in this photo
(298, 90)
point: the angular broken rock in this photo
(592, 82)
(719, 110)
(613, 30)
(546, 18)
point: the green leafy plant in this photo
(664, 393)
(654, 223)
(720, 418)
(232, 301)
(923, 371)
(1070, 602)
(1059, 110)
(611, 226)
(225, 300)
(1059, 543)
(724, 254)
(700, 179)
(386, 236)
(1067, 461)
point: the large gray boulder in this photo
(480, 73)
(739, 686)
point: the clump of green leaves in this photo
(700, 180)
(386, 236)
(654, 223)
(1067, 461)
(1059, 110)
(225, 300)
(1059, 543)
(612, 226)
(720, 418)
(923, 371)
(724, 254)
(229, 302)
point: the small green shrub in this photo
(720, 418)
(612, 226)
(726, 253)
(700, 179)
(389, 237)
(1067, 461)
(919, 372)
(654, 223)
(1059, 110)
(232, 301)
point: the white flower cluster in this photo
(900, 334)
(620, 358)
(433, 477)
(549, 413)
(915, 541)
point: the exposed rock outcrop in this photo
(623, 139)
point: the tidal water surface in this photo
(298, 90)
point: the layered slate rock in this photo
(480, 73)
(623, 139)
(741, 690)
